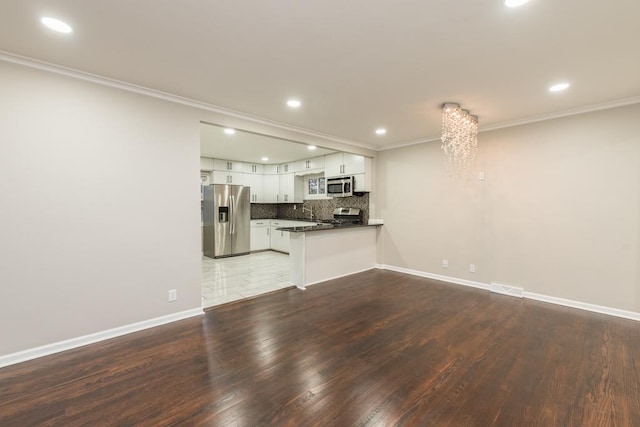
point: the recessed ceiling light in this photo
(381, 131)
(312, 147)
(265, 159)
(559, 87)
(293, 103)
(56, 25)
(229, 131)
(515, 3)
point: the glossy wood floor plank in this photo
(374, 349)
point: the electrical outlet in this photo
(173, 295)
(445, 263)
(472, 268)
(294, 207)
(481, 176)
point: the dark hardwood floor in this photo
(374, 349)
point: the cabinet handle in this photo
(267, 231)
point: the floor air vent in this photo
(507, 290)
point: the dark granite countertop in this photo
(323, 227)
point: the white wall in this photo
(100, 208)
(558, 213)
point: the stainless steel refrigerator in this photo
(226, 220)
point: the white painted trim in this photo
(94, 78)
(564, 113)
(530, 295)
(45, 350)
(130, 87)
(511, 291)
(584, 306)
(337, 277)
(450, 279)
(533, 119)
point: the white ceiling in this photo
(356, 65)
(252, 147)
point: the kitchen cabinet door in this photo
(333, 165)
(260, 238)
(206, 164)
(253, 168)
(291, 190)
(224, 177)
(352, 164)
(314, 165)
(286, 168)
(227, 165)
(279, 240)
(256, 183)
(271, 188)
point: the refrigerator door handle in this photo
(232, 215)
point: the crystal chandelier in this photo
(459, 137)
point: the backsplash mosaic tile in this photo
(264, 210)
(322, 209)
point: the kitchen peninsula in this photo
(323, 252)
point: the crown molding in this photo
(130, 87)
(564, 113)
(533, 119)
(166, 96)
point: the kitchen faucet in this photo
(310, 210)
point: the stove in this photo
(346, 216)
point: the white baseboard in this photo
(517, 291)
(511, 291)
(450, 279)
(45, 350)
(584, 306)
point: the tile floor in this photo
(230, 279)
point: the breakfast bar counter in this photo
(324, 252)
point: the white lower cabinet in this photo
(260, 235)
(265, 234)
(279, 240)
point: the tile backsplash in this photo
(264, 210)
(322, 209)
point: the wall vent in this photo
(507, 290)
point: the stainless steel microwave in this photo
(340, 187)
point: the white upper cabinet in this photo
(286, 167)
(256, 183)
(333, 165)
(231, 178)
(270, 169)
(291, 190)
(227, 165)
(252, 168)
(271, 188)
(206, 164)
(353, 164)
(341, 164)
(315, 165)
